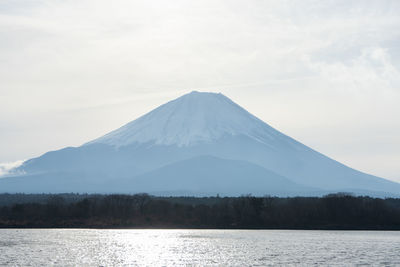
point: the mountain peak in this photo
(190, 119)
(202, 96)
(195, 92)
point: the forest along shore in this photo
(334, 212)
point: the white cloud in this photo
(371, 71)
(7, 167)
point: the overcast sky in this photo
(324, 72)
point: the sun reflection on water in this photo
(83, 247)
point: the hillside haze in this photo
(198, 144)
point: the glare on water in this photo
(72, 247)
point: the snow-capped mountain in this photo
(198, 144)
(189, 120)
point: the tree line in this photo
(335, 211)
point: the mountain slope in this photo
(206, 175)
(192, 126)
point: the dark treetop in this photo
(338, 211)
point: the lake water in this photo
(81, 247)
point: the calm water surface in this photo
(80, 247)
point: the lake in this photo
(90, 247)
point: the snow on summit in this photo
(190, 119)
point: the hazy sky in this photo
(324, 72)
